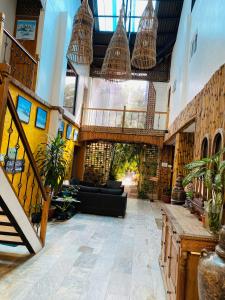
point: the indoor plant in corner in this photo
(212, 171)
(51, 158)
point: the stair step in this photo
(10, 239)
(4, 218)
(9, 229)
(9, 233)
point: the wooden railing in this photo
(23, 64)
(125, 120)
(19, 163)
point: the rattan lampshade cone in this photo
(144, 53)
(80, 50)
(116, 65)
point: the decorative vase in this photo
(213, 217)
(178, 194)
(211, 272)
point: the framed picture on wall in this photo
(26, 29)
(23, 109)
(41, 118)
(75, 135)
(68, 132)
(61, 128)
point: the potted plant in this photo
(52, 162)
(36, 214)
(211, 171)
(62, 211)
(166, 196)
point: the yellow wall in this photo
(35, 136)
(69, 149)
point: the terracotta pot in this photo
(211, 272)
(51, 212)
(166, 199)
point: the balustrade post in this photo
(124, 118)
(44, 217)
(5, 70)
(2, 21)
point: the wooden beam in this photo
(122, 137)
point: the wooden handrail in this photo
(20, 46)
(122, 110)
(26, 145)
(117, 110)
(161, 112)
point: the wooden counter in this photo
(183, 238)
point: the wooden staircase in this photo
(22, 194)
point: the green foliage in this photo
(212, 171)
(66, 204)
(126, 158)
(51, 161)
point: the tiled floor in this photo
(90, 257)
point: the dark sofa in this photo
(102, 201)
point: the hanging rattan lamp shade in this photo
(116, 65)
(80, 50)
(144, 53)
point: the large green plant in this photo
(211, 170)
(51, 158)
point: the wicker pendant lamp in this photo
(116, 65)
(144, 53)
(80, 50)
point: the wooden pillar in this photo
(79, 162)
(44, 217)
(4, 87)
(184, 153)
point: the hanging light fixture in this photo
(144, 53)
(80, 50)
(116, 65)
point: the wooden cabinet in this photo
(183, 238)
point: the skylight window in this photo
(109, 10)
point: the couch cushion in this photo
(89, 189)
(85, 183)
(114, 184)
(111, 191)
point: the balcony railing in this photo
(123, 120)
(23, 64)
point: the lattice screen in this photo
(149, 170)
(97, 162)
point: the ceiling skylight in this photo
(109, 10)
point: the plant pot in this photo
(211, 272)
(51, 212)
(62, 215)
(166, 198)
(36, 217)
(213, 217)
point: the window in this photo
(205, 148)
(71, 82)
(109, 11)
(132, 93)
(217, 143)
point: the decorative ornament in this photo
(116, 65)
(144, 53)
(178, 193)
(80, 50)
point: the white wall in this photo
(56, 34)
(191, 74)
(9, 9)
